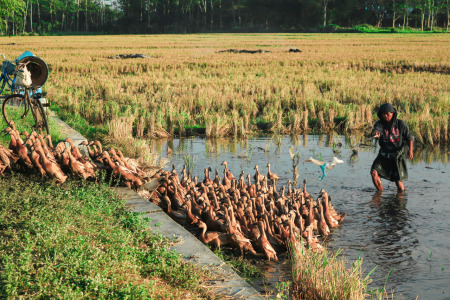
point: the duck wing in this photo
(314, 161)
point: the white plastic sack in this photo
(23, 77)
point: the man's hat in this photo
(387, 107)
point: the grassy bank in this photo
(337, 81)
(78, 241)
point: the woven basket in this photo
(9, 67)
(38, 69)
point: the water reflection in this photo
(393, 220)
(393, 238)
(431, 154)
(273, 143)
(376, 199)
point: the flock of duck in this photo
(57, 162)
(248, 212)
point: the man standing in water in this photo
(395, 141)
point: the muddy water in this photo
(408, 234)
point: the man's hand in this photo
(377, 134)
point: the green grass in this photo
(80, 124)
(244, 267)
(78, 241)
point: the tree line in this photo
(192, 16)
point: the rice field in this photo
(187, 85)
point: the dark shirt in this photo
(392, 137)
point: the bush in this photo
(364, 28)
(29, 34)
(331, 28)
(439, 29)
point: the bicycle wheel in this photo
(18, 102)
(41, 118)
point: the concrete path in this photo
(226, 283)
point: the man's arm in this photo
(376, 131)
(410, 152)
(409, 138)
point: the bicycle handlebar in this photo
(4, 58)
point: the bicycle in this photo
(26, 98)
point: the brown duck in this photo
(213, 237)
(52, 169)
(264, 244)
(270, 175)
(323, 227)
